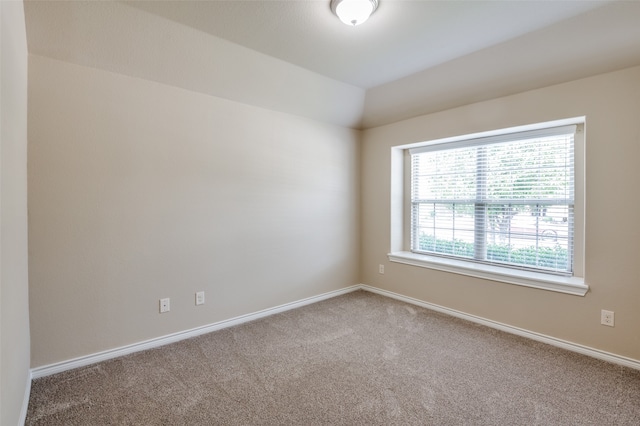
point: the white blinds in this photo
(508, 137)
(507, 200)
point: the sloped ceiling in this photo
(410, 58)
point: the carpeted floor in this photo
(357, 359)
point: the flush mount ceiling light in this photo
(353, 12)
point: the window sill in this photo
(569, 285)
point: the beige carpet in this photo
(358, 359)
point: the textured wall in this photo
(139, 191)
(611, 103)
(14, 292)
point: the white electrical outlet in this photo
(381, 268)
(200, 298)
(607, 318)
(165, 305)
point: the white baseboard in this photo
(574, 347)
(59, 367)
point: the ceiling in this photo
(402, 37)
(410, 58)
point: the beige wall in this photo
(140, 191)
(14, 292)
(611, 104)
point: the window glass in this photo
(507, 200)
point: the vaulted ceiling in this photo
(410, 58)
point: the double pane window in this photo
(505, 200)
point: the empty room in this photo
(305, 212)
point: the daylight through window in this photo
(505, 200)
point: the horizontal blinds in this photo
(511, 194)
(508, 137)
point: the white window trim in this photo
(400, 243)
(569, 285)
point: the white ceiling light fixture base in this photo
(353, 12)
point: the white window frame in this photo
(400, 250)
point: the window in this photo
(503, 205)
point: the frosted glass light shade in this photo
(353, 12)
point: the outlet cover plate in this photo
(200, 298)
(607, 318)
